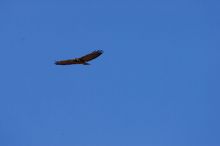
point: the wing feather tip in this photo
(57, 63)
(99, 51)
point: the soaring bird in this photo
(82, 60)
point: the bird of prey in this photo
(82, 60)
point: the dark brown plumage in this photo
(82, 60)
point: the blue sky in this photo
(157, 84)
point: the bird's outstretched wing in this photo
(91, 56)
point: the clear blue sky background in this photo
(157, 83)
